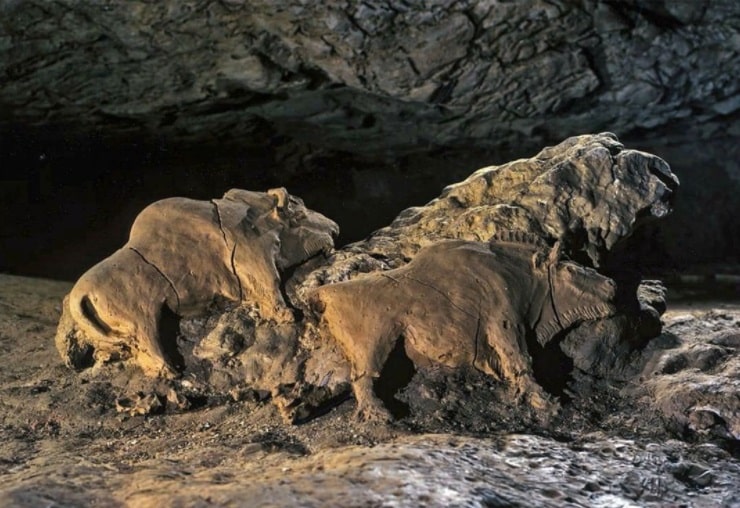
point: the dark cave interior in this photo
(70, 200)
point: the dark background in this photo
(71, 202)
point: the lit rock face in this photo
(589, 192)
(372, 75)
(379, 81)
(492, 276)
(184, 256)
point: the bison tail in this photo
(87, 317)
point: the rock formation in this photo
(588, 191)
(691, 374)
(352, 97)
(368, 76)
(430, 288)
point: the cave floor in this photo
(62, 443)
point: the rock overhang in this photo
(364, 77)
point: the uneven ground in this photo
(62, 443)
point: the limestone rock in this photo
(350, 81)
(691, 374)
(368, 76)
(589, 192)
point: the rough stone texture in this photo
(184, 256)
(312, 86)
(63, 442)
(428, 470)
(587, 191)
(692, 373)
(368, 76)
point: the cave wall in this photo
(361, 107)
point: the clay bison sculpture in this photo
(181, 256)
(461, 303)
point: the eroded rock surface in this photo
(369, 76)
(365, 97)
(589, 192)
(428, 470)
(692, 373)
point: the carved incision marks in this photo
(460, 303)
(183, 255)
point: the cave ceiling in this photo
(371, 77)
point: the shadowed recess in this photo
(168, 329)
(552, 368)
(396, 375)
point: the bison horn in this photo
(281, 197)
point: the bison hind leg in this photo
(158, 353)
(76, 352)
(168, 330)
(376, 395)
(369, 407)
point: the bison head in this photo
(576, 294)
(299, 233)
(303, 233)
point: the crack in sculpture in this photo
(174, 290)
(232, 259)
(217, 214)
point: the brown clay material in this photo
(461, 303)
(183, 255)
(497, 276)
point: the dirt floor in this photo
(63, 442)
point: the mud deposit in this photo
(63, 443)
